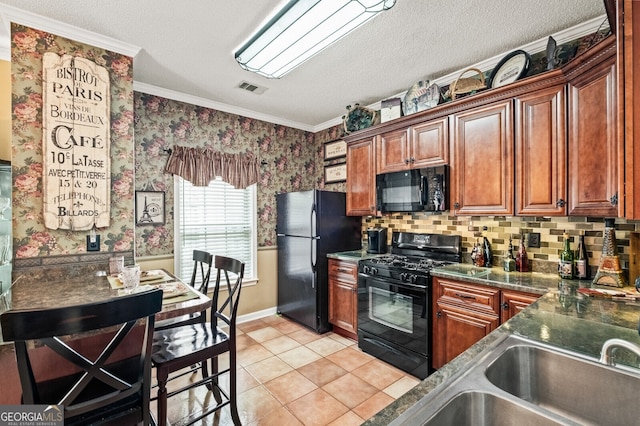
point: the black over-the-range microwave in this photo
(413, 190)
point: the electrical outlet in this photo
(534, 240)
(93, 244)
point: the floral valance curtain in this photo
(201, 165)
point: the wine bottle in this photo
(565, 266)
(522, 260)
(582, 260)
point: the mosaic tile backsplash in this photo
(500, 228)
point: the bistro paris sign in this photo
(76, 140)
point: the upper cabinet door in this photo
(593, 142)
(541, 153)
(361, 178)
(628, 33)
(430, 143)
(482, 175)
(392, 151)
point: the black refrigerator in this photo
(311, 224)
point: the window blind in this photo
(219, 219)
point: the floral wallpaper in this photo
(291, 159)
(30, 237)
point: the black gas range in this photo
(394, 299)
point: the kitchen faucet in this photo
(611, 345)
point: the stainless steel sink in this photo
(479, 409)
(519, 381)
(584, 391)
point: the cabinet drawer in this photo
(480, 298)
(346, 271)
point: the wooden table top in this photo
(44, 294)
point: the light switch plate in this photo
(534, 239)
(93, 245)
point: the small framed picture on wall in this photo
(335, 173)
(335, 149)
(150, 208)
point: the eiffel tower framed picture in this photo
(150, 208)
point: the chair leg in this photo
(214, 386)
(162, 377)
(233, 397)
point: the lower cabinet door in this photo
(455, 330)
(343, 309)
(513, 302)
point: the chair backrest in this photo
(226, 310)
(202, 263)
(110, 381)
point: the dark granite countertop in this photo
(353, 256)
(562, 317)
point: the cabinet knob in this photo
(456, 205)
(505, 305)
(614, 199)
(413, 160)
(560, 203)
(406, 161)
(439, 314)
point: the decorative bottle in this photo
(522, 260)
(581, 259)
(565, 266)
(488, 254)
(509, 262)
(477, 255)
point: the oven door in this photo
(394, 312)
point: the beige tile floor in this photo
(289, 375)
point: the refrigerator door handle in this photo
(314, 220)
(313, 258)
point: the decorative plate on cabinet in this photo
(512, 67)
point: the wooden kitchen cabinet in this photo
(464, 313)
(512, 302)
(482, 151)
(343, 297)
(361, 178)
(456, 330)
(593, 140)
(628, 36)
(393, 151)
(540, 153)
(418, 146)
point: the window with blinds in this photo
(219, 219)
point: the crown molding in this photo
(10, 14)
(207, 103)
(564, 36)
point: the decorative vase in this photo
(609, 271)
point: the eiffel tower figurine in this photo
(609, 272)
(146, 217)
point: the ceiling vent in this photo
(250, 87)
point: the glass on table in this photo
(130, 277)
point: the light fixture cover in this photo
(302, 29)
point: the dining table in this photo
(179, 299)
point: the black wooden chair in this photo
(109, 384)
(180, 347)
(202, 262)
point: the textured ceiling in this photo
(188, 47)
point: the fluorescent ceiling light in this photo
(302, 29)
